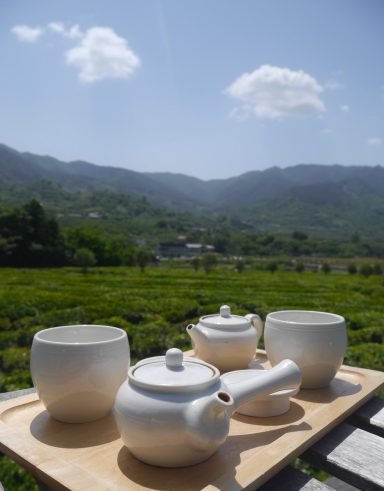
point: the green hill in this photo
(331, 200)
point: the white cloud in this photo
(100, 54)
(272, 92)
(375, 141)
(241, 113)
(56, 27)
(345, 108)
(333, 85)
(59, 28)
(27, 34)
(74, 32)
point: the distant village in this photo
(180, 248)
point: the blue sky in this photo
(209, 88)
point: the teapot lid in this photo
(224, 319)
(173, 373)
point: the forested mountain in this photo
(336, 199)
(26, 168)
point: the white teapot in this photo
(175, 411)
(227, 341)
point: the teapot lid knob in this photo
(225, 311)
(174, 358)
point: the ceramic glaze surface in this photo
(77, 370)
(316, 341)
(178, 419)
(227, 341)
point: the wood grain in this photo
(351, 454)
(370, 417)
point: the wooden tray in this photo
(91, 456)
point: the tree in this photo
(195, 261)
(272, 266)
(209, 261)
(91, 238)
(239, 265)
(30, 238)
(143, 258)
(221, 241)
(366, 270)
(297, 235)
(268, 239)
(84, 258)
(300, 267)
(352, 269)
(326, 268)
(119, 251)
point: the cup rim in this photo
(333, 319)
(38, 336)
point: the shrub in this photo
(195, 263)
(239, 266)
(84, 258)
(272, 266)
(326, 268)
(143, 258)
(366, 270)
(209, 261)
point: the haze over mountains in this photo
(308, 195)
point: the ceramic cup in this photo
(315, 341)
(77, 370)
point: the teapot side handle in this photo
(257, 323)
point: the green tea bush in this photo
(14, 477)
(15, 358)
(8, 339)
(367, 355)
(366, 335)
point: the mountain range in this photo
(340, 198)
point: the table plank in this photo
(351, 454)
(290, 479)
(339, 485)
(4, 396)
(370, 417)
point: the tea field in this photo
(154, 308)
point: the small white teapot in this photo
(175, 411)
(227, 341)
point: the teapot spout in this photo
(196, 334)
(219, 405)
(208, 420)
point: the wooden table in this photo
(352, 452)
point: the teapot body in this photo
(224, 348)
(174, 411)
(169, 429)
(228, 342)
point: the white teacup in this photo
(315, 341)
(77, 370)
